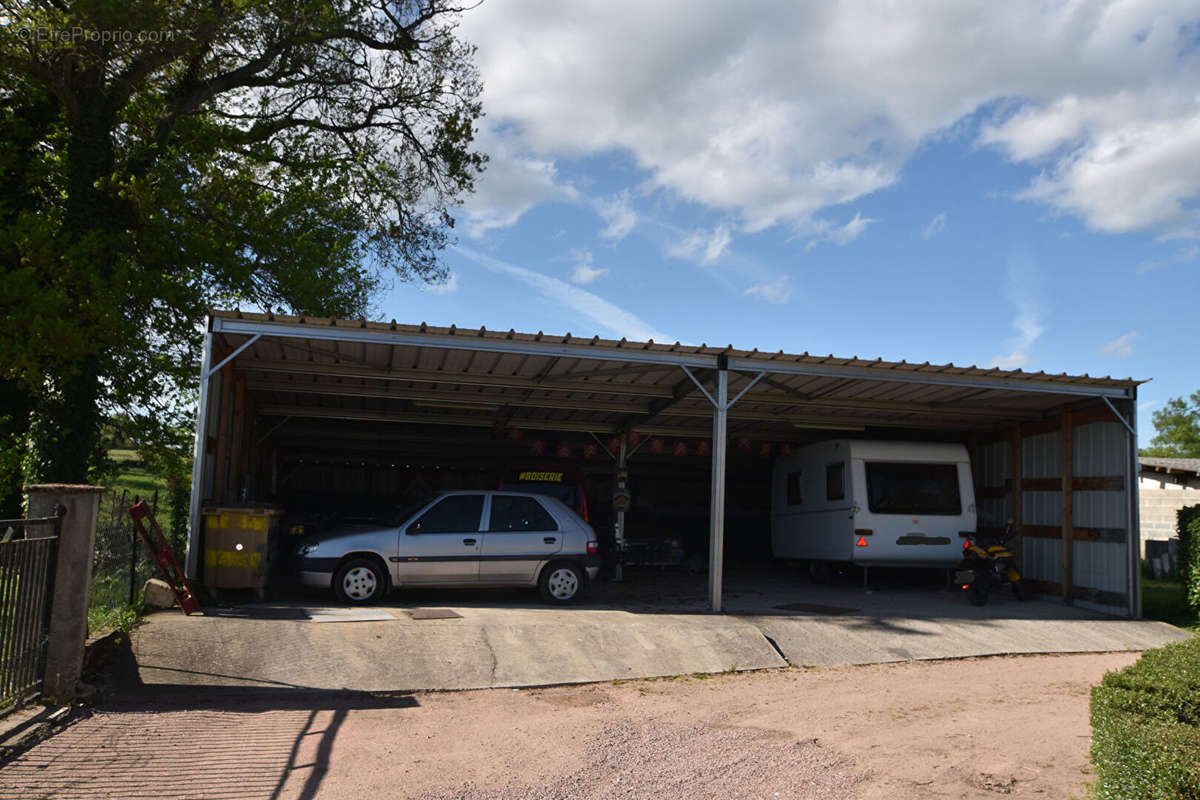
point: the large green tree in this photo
(1176, 429)
(158, 157)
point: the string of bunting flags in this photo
(657, 446)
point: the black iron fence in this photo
(28, 558)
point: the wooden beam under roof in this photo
(624, 389)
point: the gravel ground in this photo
(974, 728)
(652, 759)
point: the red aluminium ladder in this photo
(167, 564)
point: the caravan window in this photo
(835, 481)
(795, 495)
(913, 489)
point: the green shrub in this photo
(1146, 727)
(1188, 527)
(1193, 586)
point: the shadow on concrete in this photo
(184, 741)
(761, 589)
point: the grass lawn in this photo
(108, 605)
(1164, 599)
(136, 479)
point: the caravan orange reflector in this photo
(862, 542)
(966, 586)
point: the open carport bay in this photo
(657, 625)
(390, 412)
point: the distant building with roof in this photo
(1165, 485)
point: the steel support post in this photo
(193, 542)
(1132, 489)
(716, 532)
(619, 531)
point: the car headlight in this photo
(305, 549)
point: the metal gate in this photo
(28, 557)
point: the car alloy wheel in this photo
(360, 584)
(563, 583)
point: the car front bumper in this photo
(311, 578)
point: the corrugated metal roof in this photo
(766, 358)
(355, 369)
(1171, 464)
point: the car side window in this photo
(458, 513)
(512, 514)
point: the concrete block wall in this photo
(1159, 506)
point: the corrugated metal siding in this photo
(1098, 448)
(1100, 509)
(1041, 456)
(993, 513)
(1041, 508)
(1041, 559)
(993, 462)
(1099, 565)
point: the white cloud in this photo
(584, 274)
(773, 112)
(583, 271)
(702, 246)
(1121, 346)
(778, 292)
(935, 226)
(618, 215)
(450, 284)
(839, 234)
(1136, 176)
(513, 183)
(604, 314)
(1022, 289)
(1184, 256)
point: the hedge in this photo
(1188, 526)
(1146, 727)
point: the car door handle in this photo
(549, 540)
(469, 542)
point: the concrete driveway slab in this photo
(487, 647)
(652, 625)
(824, 641)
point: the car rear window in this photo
(458, 513)
(519, 514)
(898, 488)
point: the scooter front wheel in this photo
(1019, 590)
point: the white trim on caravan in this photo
(873, 503)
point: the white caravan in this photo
(872, 504)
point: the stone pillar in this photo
(72, 579)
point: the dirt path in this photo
(959, 729)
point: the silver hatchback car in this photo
(466, 539)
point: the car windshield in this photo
(899, 488)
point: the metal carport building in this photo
(1056, 452)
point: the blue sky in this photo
(991, 184)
